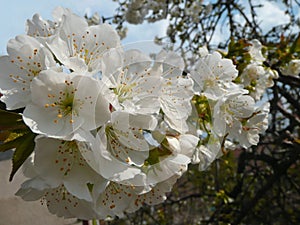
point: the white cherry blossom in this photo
(162, 164)
(170, 157)
(231, 107)
(121, 146)
(59, 202)
(80, 48)
(205, 154)
(247, 131)
(256, 78)
(292, 68)
(122, 154)
(45, 30)
(61, 179)
(255, 51)
(213, 76)
(119, 198)
(134, 84)
(183, 144)
(62, 103)
(126, 138)
(25, 60)
(176, 92)
(65, 166)
(136, 11)
(116, 128)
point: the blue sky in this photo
(14, 14)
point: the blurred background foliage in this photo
(259, 185)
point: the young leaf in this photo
(23, 150)
(11, 144)
(11, 120)
(12, 130)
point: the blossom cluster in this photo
(256, 77)
(292, 68)
(138, 10)
(116, 128)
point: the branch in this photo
(291, 80)
(292, 117)
(290, 99)
(281, 170)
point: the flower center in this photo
(117, 149)
(59, 197)
(68, 155)
(79, 47)
(31, 67)
(65, 104)
(124, 91)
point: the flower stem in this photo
(95, 222)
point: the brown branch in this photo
(290, 80)
(292, 117)
(290, 99)
(280, 171)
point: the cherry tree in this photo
(199, 132)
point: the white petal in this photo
(104, 163)
(175, 102)
(42, 121)
(94, 107)
(188, 144)
(27, 58)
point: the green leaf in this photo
(11, 121)
(4, 134)
(14, 130)
(11, 144)
(23, 150)
(6, 116)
